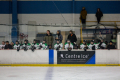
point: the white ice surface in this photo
(59, 73)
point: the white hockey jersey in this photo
(96, 45)
(36, 45)
(82, 46)
(28, 46)
(2, 46)
(44, 46)
(67, 45)
(15, 46)
(103, 45)
(57, 45)
(90, 46)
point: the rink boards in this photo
(52, 58)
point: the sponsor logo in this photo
(74, 57)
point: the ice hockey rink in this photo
(60, 73)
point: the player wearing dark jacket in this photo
(111, 46)
(8, 46)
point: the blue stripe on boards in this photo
(91, 60)
(51, 56)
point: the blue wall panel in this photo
(31, 7)
(91, 6)
(14, 34)
(5, 7)
(46, 7)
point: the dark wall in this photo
(46, 7)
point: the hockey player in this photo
(26, 45)
(17, 45)
(92, 45)
(58, 45)
(83, 45)
(111, 45)
(43, 45)
(36, 45)
(8, 46)
(102, 45)
(68, 45)
(96, 45)
(2, 46)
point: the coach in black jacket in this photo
(8, 46)
(111, 45)
(72, 37)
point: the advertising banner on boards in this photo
(75, 57)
